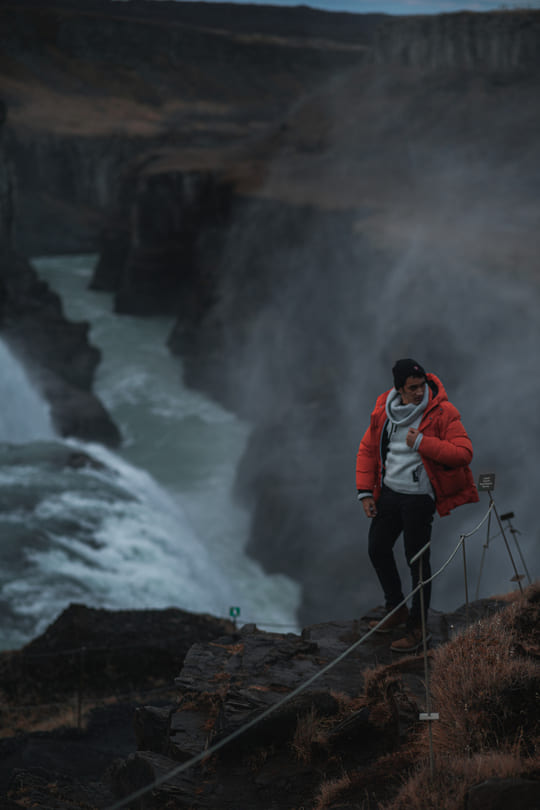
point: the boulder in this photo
(501, 794)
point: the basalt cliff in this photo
(55, 351)
(310, 195)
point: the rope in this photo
(235, 734)
(469, 534)
(96, 700)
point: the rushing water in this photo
(151, 525)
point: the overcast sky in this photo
(401, 6)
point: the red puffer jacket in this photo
(445, 450)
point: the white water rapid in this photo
(152, 525)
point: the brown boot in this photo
(411, 642)
(397, 618)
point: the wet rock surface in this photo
(82, 683)
(155, 689)
(497, 794)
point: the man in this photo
(412, 460)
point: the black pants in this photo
(412, 515)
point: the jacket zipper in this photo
(383, 432)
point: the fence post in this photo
(466, 581)
(80, 688)
(428, 715)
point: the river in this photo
(151, 525)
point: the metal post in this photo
(508, 516)
(486, 546)
(80, 688)
(517, 577)
(428, 714)
(466, 582)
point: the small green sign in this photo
(234, 612)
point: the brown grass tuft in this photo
(451, 780)
(485, 685)
(485, 694)
(309, 732)
(330, 790)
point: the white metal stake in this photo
(428, 715)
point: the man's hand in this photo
(412, 435)
(369, 507)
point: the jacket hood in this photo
(437, 391)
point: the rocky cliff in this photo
(93, 86)
(69, 697)
(7, 192)
(504, 43)
(179, 711)
(56, 352)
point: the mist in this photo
(417, 239)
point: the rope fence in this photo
(428, 715)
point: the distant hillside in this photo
(91, 86)
(291, 22)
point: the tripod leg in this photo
(486, 545)
(517, 577)
(514, 533)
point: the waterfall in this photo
(24, 416)
(153, 525)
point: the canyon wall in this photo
(503, 42)
(55, 351)
(6, 186)
(93, 87)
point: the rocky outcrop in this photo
(85, 677)
(503, 42)
(248, 719)
(92, 649)
(498, 794)
(56, 352)
(352, 720)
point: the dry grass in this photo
(30, 718)
(452, 778)
(39, 718)
(356, 787)
(485, 693)
(330, 790)
(485, 685)
(309, 732)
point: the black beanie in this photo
(406, 368)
